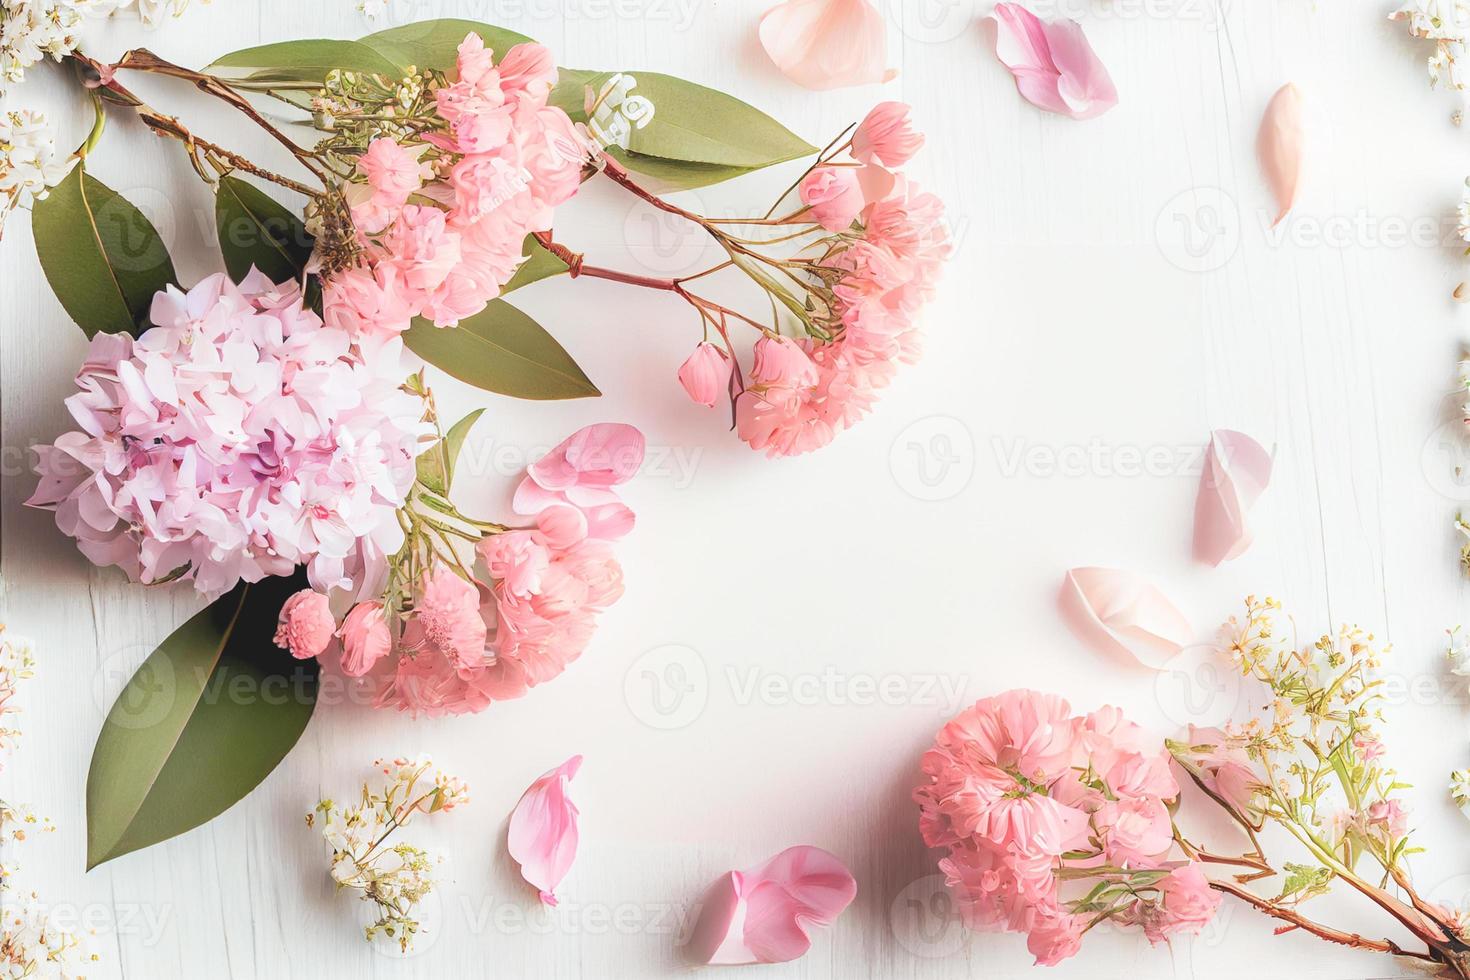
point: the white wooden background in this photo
(1115, 295)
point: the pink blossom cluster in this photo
(516, 614)
(1018, 788)
(887, 249)
(502, 161)
(236, 438)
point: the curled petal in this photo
(1122, 613)
(761, 915)
(543, 830)
(823, 44)
(1279, 145)
(1054, 66)
(1236, 472)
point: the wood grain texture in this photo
(1115, 295)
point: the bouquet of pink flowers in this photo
(269, 438)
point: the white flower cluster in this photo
(35, 29)
(395, 877)
(1447, 24)
(29, 163)
(32, 947)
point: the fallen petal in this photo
(1122, 613)
(1054, 66)
(543, 830)
(761, 915)
(824, 44)
(1236, 472)
(1279, 145)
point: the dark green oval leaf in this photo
(102, 256)
(502, 350)
(256, 231)
(307, 60)
(435, 43)
(204, 720)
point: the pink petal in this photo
(1237, 470)
(823, 44)
(1054, 66)
(603, 455)
(761, 915)
(543, 830)
(1279, 145)
(1122, 613)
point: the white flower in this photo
(1460, 789)
(1447, 23)
(31, 30)
(35, 947)
(29, 163)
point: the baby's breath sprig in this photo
(393, 876)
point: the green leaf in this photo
(256, 231)
(308, 60)
(540, 264)
(204, 720)
(102, 256)
(436, 466)
(682, 175)
(502, 350)
(435, 43)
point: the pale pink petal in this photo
(1236, 472)
(1054, 66)
(1279, 145)
(761, 915)
(543, 830)
(1122, 613)
(823, 44)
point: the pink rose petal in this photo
(823, 44)
(761, 915)
(1236, 472)
(1122, 613)
(583, 469)
(1054, 66)
(543, 830)
(1279, 145)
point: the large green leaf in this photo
(308, 60)
(436, 465)
(207, 717)
(434, 43)
(102, 256)
(540, 264)
(256, 231)
(502, 350)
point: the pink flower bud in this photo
(306, 625)
(834, 196)
(781, 362)
(886, 136)
(365, 638)
(706, 374)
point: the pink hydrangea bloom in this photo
(306, 625)
(235, 439)
(497, 170)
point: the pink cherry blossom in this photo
(887, 136)
(365, 638)
(1054, 66)
(237, 438)
(706, 374)
(306, 625)
(834, 196)
(543, 833)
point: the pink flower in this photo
(543, 830)
(365, 638)
(1135, 832)
(706, 374)
(1369, 745)
(1055, 938)
(886, 136)
(1225, 767)
(1187, 903)
(1391, 816)
(237, 438)
(583, 469)
(305, 625)
(1054, 66)
(393, 174)
(781, 362)
(834, 196)
(448, 614)
(369, 302)
(824, 44)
